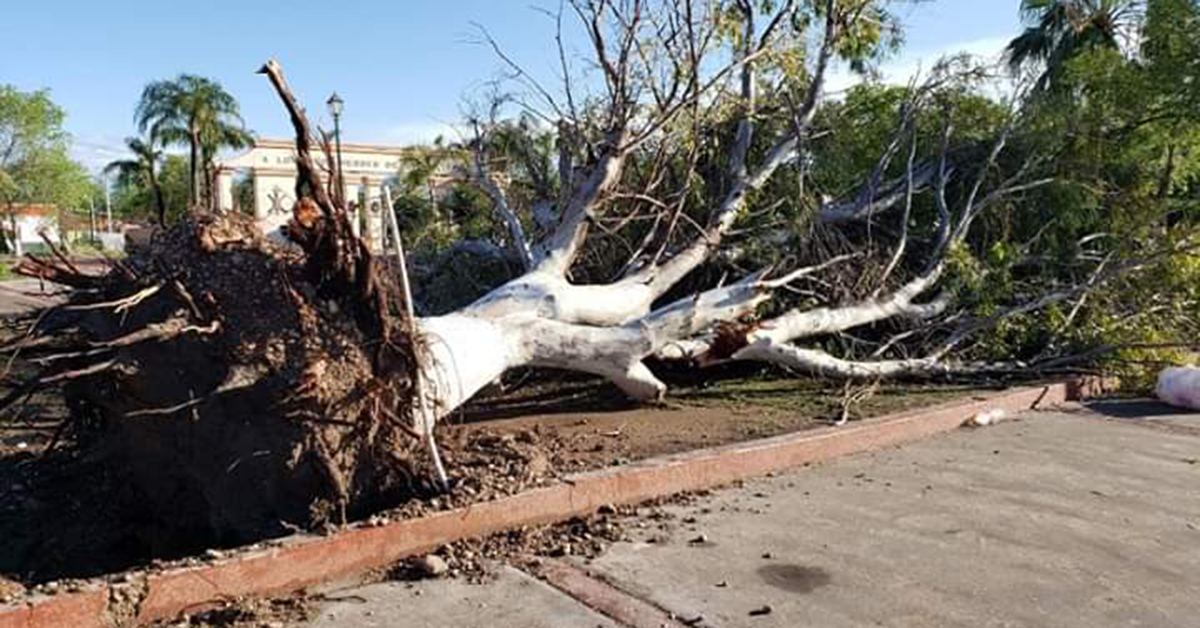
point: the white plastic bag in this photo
(987, 417)
(1179, 386)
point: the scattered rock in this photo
(699, 540)
(433, 566)
(765, 609)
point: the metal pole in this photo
(337, 134)
(92, 217)
(107, 204)
(427, 421)
(389, 213)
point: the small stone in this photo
(703, 538)
(606, 509)
(433, 566)
(765, 609)
(212, 553)
(767, 555)
(722, 584)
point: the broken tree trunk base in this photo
(235, 388)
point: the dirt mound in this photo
(240, 388)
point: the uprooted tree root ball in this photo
(242, 389)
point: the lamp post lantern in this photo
(336, 105)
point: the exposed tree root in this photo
(243, 386)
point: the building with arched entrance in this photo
(271, 166)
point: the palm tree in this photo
(1058, 30)
(143, 167)
(195, 111)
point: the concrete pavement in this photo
(513, 600)
(1074, 518)
(18, 296)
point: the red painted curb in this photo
(85, 609)
(604, 598)
(305, 560)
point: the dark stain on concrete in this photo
(794, 578)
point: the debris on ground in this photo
(986, 418)
(1179, 387)
(587, 537)
(251, 613)
(765, 609)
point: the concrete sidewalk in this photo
(1056, 519)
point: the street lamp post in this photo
(335, 109)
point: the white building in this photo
(29, 221)
(272, 165)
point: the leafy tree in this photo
(134, 199)
(143, 168)
(1123, 133)
(1059, 30)
(197, 112)
(35, 166)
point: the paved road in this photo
(1079, 518)
(18, 296)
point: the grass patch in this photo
(813, 397)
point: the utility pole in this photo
(92, 217)
(107, 204)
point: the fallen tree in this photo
(217, 360)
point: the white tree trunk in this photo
(468, 350)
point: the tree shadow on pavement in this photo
(1135, 408)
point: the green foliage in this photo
(870, 34)
(243, 193)
(133, 199)
(1060, 30)
(1123, 136)
(35, 166)
(196, 112)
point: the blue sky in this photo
(402, 66)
